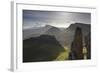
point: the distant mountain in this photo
(48, 26)
(42, 48)
(53, 31)
(35, 32)
(58, 33)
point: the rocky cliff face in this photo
(88, 45)
(77, 45)
(70, 31)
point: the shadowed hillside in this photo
(42, 48)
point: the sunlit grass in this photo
(63, 55)
(85, 52)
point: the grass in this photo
(85, 52)
(63, 55)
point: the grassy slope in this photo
(43, 48)
(63, 55)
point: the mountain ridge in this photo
(64, 36)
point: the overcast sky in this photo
(32, 18)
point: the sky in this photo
(33, 18)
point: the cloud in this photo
(34, 18)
